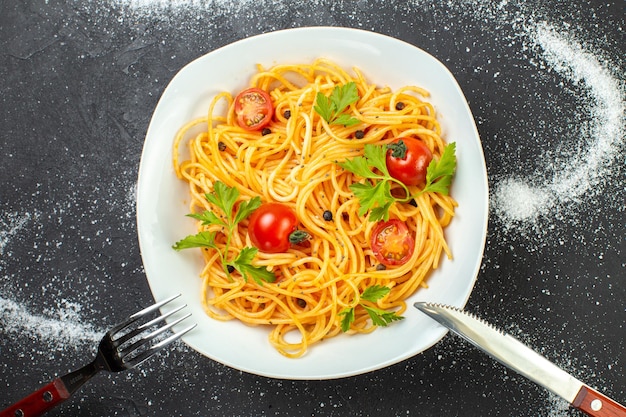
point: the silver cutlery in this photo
(123, 347)
(522, 359)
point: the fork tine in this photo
(133, 318)
(143, 327)
(145, 339)
(162, 344)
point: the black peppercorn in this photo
(221, 146)
(287, 114)
(301, 303)
(328, 215)
(399, 105)
(381, 267)
(231, 269)
(359, 134)
(266, 131)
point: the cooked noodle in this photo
(297, 164)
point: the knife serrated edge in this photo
(522, 359)
(505, 348)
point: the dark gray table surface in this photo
(79, 81)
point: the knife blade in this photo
(522, 359)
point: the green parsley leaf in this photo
(225, 198)
(360, 166)
(331, 108)
(377, 157)
(323, 107)
(348, 318)
(375, 293)
(372, 196)
(381, 317)
(440, 172)
(200, 240)
(381, 212)
(375, 195)
(243, 264)
(346, 120)
(378, 316)
(246, 208)
(207, 218)
(442, 186)
(344, 95)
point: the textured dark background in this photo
(78, 83)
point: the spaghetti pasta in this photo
(297, 163)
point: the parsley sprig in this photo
(225, 198)
(378, 316)
(331, 108)
(375, 193)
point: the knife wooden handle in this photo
(598, 405)
(39, 401)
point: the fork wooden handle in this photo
(39, 401)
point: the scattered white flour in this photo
(148, 9)
(158, 4)
(161, 4)
(155, 6)
(517, 199)
(60, 329)
(11, 226)
(36, 238)
(131, 199)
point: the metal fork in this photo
(121, 348)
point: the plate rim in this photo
(328, 30)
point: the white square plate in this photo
(162, 199)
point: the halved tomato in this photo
(392, 242)
(254, 109)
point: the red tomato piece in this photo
(254, 109)
(407, 160)
(272, 228)
(392, 243)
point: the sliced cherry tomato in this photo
(272, 228)
(392, 243)
(253, 108)
(408, 159)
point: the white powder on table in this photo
(12, 225)
(519, 200)
(60, 328)
(516, 200)
(64, 324)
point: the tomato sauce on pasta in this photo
(295, 160)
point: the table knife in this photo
(522, 359)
